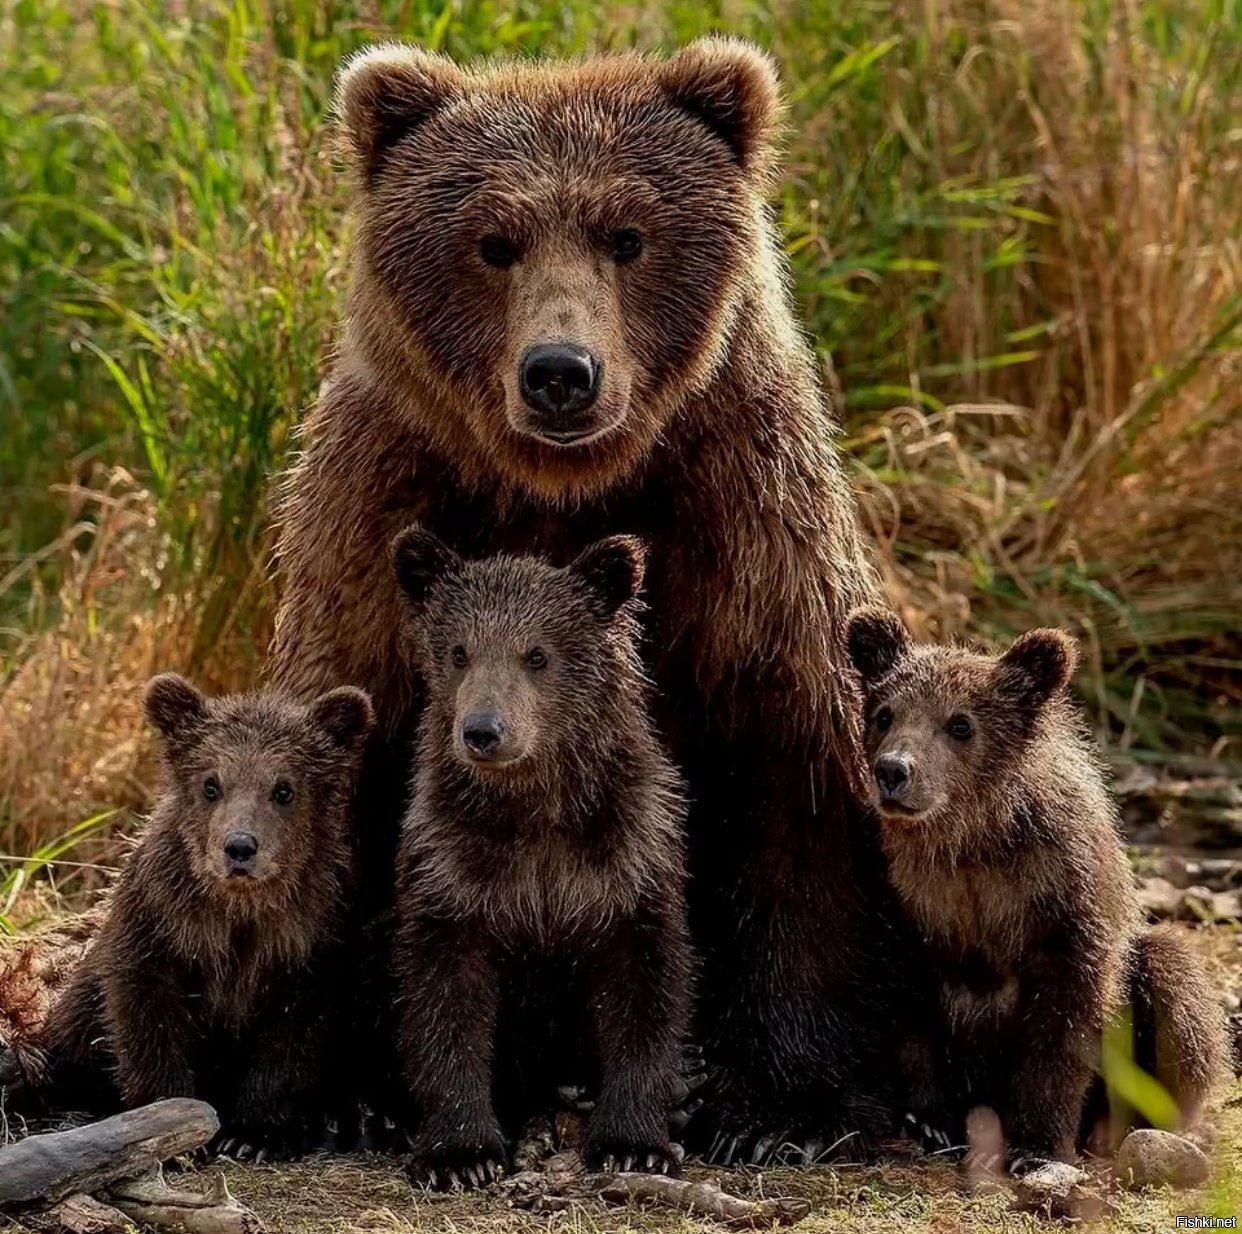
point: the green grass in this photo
(1027, 206)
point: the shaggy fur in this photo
(1002, 844)
(34, 971)
(712, 443)
(561, 849)
(205, 981)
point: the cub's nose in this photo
(892, 774)
(482, 732)
(240, 847)
(558, 381)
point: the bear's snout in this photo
(240, 848)
(559, 382)
(481, 734)
(893, 773)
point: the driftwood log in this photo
(45, 1169)
(150, 1201)
(706, 1199)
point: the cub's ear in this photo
(1037, 665)
(420, 561)
(345, 714)
(732, 88)
(385, 92)
(876, 641)
(174, 708)
(613, 571)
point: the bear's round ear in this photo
(613, 572)
(420, 561)
(345, 714)
(385, 92)
(731, 87)
(876, 640)
(1037, 665)
(175, 708)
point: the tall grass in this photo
(1014, 227)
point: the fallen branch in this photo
(49, 1168)
(83, 1214)
(150, 1201)
(704, 1198)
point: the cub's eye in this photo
(282, 794)
(626, 245)
(883, 719)
(211, 789)
(459, 657)
(498, 251)
(959, 726)
(537, 658)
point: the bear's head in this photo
(524, 663)
(555, 252)
(946, 728)
(260, 785)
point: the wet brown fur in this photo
(569, 852)
(720, 453)
(204, 985)
(1005, 852)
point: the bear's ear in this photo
(174, 708)
(385, 92)
(876, 641)
(420, 561)
(732, 87)
(1037, 665)
(345, 714)
(613, 571)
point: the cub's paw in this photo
(259, 1142)
(460, 1170)
(622, 1158)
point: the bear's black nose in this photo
(892, 774)
(240, 847)
(558, 381)
(482, 732)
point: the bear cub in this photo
(218, 967)
(1003, 846)
(540, 892)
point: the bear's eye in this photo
(459, 657)
(282, 794)
(626, 245)
(498, 251)
(959, 726)
(537, 658)
(884, 719)
(211, 789)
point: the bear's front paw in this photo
(456, 1170)
(260, 1142)
(457, 1161)
(618, 1157)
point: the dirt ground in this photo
(367, 1194)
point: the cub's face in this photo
(518, 657)
(561, 243)
(946, 726)
(260, 782)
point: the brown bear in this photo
(569, 317)
(1003, 845)
(544, 835)
(218, 970)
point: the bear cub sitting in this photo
(1003, 846)
(541, 875)
(219, 964)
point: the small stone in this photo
(1159, 897)
(1150, 1158)
(1054, 1188)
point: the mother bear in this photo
(568, 318)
